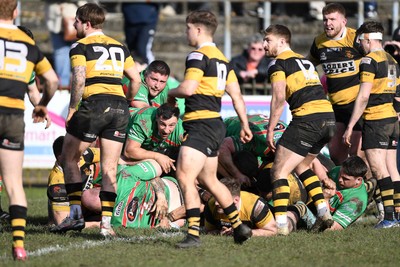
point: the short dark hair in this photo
(354, 166)
(334, 7)
(158, 66)
(232, 184)
(166, 111)
(279, 30)
(57, 145)
(370, 26)
(93, 13)
(205, 18)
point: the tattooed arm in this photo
(160, 207)
(77, 87)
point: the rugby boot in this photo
(241, 233)
(106, 230)
(190, 241)
(69, 224)
(4, 215)
(386, 224)
(308, 217)
(19, 254)
(323, 223)
(283, 228)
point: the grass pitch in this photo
(359, 245)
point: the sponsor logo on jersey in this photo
(144, 168)
(195, 56)
(118, 208)
(132, 208)
(339, 67)
(323, 57)
(366, 60)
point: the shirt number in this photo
(221, 73)
(13, 56)
(104, 64)
(307, 68)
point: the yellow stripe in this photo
(237, 223)
(387, 203)
(387, 193)
(193, 232)
(19, 233)
(18, 243)
(281, 202)
(106, 213)
(194, 220)
(18, 222)
(282, 189)
(75, 202)
(9, 102)
(200, 114)
(107, 203)
(315, 191)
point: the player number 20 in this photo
(103, 63)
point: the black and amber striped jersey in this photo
(105, 60)
(212, 70)
(19, 57)
(304, 92)
(382, 70)
(340, 59)
(253, 211)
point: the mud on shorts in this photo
(12, 131)
(308, 137)
(205, 135)
(104, 116)
(378, 134)
(343, 115)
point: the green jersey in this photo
(144, 96)
(143, 129)
(136, 196)
(258, 125)
(347, 204)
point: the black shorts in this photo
(100, 116)
(12, 131)
(380, 134)
(343, 115)
(308, 137)
(204, 135)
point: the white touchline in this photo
(93, 243)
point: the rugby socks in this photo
(396, 199)
(193, 218)
(280, 196)
(233, 215)
(314, 189)
(18, 222)
(74, 192)
(387, 192)
(107, 203)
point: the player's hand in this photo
(245, 134)
(226, 231)
(40, 114)
(347, 136)
(328, 184)
(164, 224)
(244, 180)
(160, 207)
(71, 112)
(165, 162)
(270, 141)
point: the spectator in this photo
(252, 65)
(60, 16)
(140, 26)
